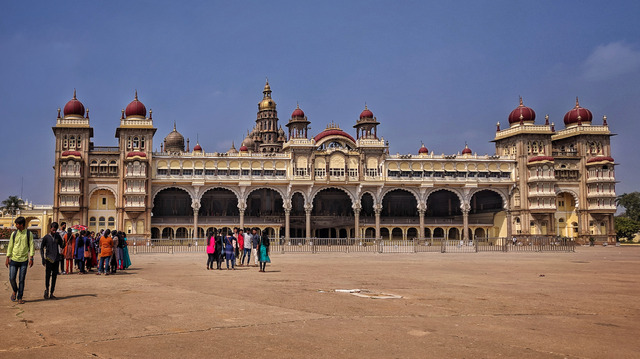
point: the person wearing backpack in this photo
(19, 256)
(49, 251)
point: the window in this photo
(112, 222)
(92, 222)
(162, 172)
(104, 201)
(136, 143)
(101, 222)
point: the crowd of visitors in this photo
(64, 250)
(239, 244)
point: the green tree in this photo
(12, 205)
(631, 204)
(626, 227)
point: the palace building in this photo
(541, 181)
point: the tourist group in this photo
(62, 250)
(237, 244)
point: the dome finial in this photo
(122, 117)
(136, 96)
(74, 94)
(58, 112)
(577, 102)
(546, 119)
(604, 120)
(297, 105)
(174, 125)
(365, 105)
(521, 104)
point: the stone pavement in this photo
(476, 305)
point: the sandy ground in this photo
(477, 305)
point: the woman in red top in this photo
(69, 249)
(211, 246)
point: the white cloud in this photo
(611, 60)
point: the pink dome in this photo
(423, 150)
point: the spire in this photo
(267, 90)
(136, 96)
(577, 102)
(74, 94)
(521, 104)
(174, 125)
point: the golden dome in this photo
(267, 102)
(174, 142)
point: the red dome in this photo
(135, 108)
(71, 153)
(244, 148)
(527, 114)
(467, 150)
(423, 149)
(366, 113)
(74, 107)
(571, 117)
(332, 131)
(197, 147)
(136, 154)
(297, 112)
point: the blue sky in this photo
(439, 72)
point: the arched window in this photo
(65, 142)
(129, 142)
(92, 222)
(136, 143)
(101, 222)
(142, 143)
(79, 142)
(111, 223)
(72, 142)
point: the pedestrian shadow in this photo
(62, 297)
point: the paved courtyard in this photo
(476, 305)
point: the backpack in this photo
(13, 234)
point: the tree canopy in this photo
(628, 223)
(12, 205)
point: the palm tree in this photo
(12, 205)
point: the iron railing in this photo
(370, 245)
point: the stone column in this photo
(465, 223)
(509, 226)
(287, 228)
(378, 210)
(356, 214)
(421, 213)
(307, 212)
(196, 207)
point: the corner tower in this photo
(268, 138)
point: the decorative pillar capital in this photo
(195, 204)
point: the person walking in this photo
(211, 248)
(106, 250)
(50, 252)
(263, 252)
(19, 256)
(229, 251)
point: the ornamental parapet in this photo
(581, 130)
(524, 129)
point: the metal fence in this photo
(4, 243)
(370, 245)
